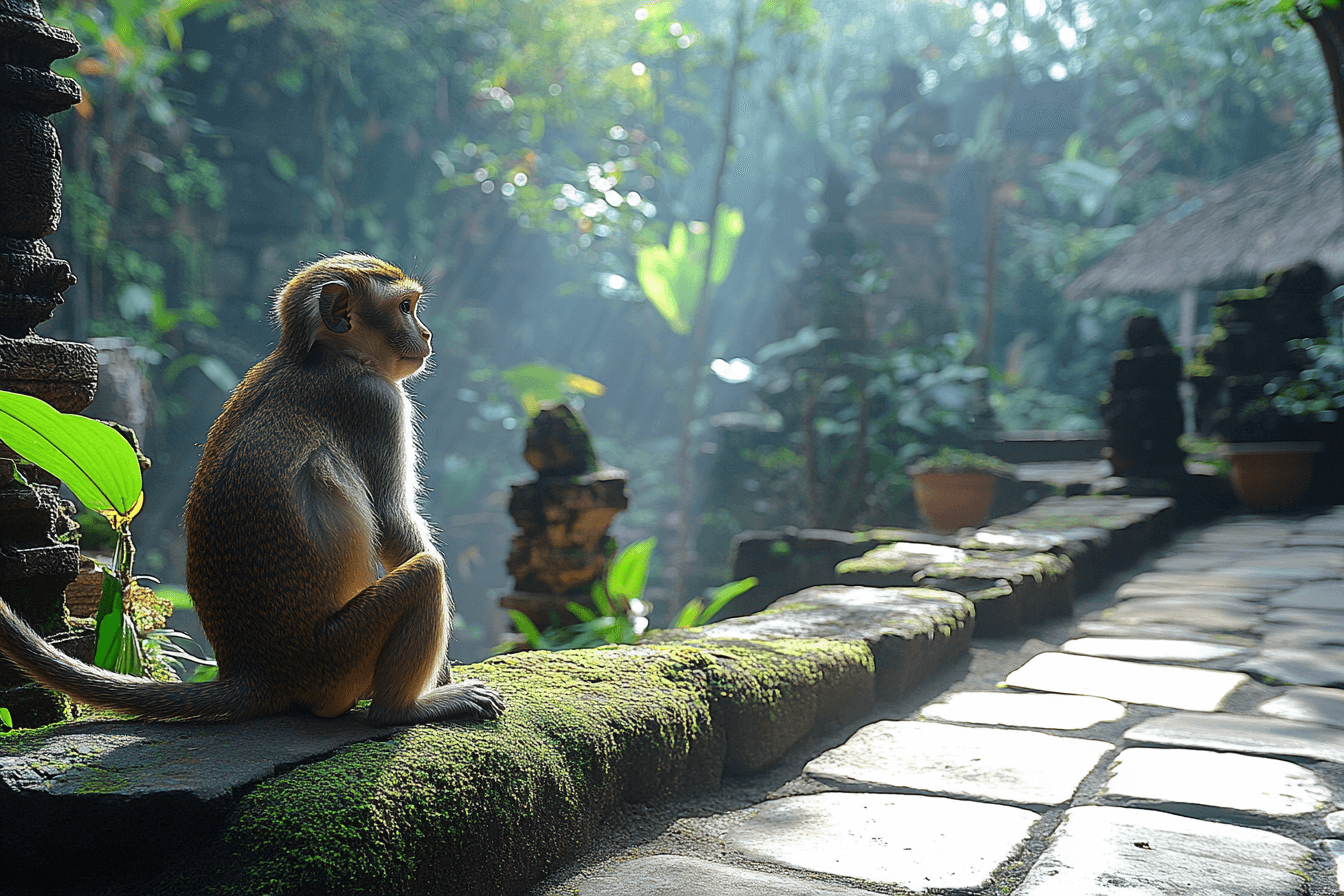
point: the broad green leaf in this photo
(535, 383)
(660, 276)
(6, 720)
(672, 275)
(629, 573)
(92, 458)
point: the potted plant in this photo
(1271, 385)
(954, 488)
(1273, 475)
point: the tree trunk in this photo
(1328, 25)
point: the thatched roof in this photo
(1272, 215)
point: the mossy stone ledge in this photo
(297, 805)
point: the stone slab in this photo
(1132, 590)
(1202, 582)
(1328, 595)
(919, 843)
(1150, 649)
(1334, 822)
(1253, 734)
(1057, 711)
(1102, 628)
(1295, 616)
(1279, 577)
(1109, 851)
(1147, 683)
(1316, 540)
(1211, 615)
(671, 875)
(1186, 561)
(1301, 636)
(1320, 706)
(1027, 768)
(1200, 783)
(911, 631)
(203, 762)
(1295, 558)
(1291, 665)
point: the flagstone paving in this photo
(1058, 711)
(1179, 687)
(1197, 753)
(1199, 782)
(916, 842)
(1021, 767)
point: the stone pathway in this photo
(1186, 739)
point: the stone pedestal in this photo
(38, 552)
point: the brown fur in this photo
(306, 484)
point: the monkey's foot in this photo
(470, 699)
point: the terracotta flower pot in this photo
(951, 501)
(1271, 475)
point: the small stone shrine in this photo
(38, 553)
(562, 545)
(1142, 411)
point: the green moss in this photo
(584, 730)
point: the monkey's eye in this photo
(405, 306)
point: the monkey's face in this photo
(376, 323)
(407, 339)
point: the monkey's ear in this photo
(333, 303)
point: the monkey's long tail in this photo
(209, 700)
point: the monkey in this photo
(307, 484)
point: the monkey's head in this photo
(359, 307)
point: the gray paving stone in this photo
(1132, 590)
(1109, 851)
(1212, 615)
(1316, 540)
(1294, 558)
(1301, 636)
(1058, 711)
(1296, 616)
(1200, 783)
(1102, 628)
(1283, 576)
(916, 842)
(1254, 734)
(1023, 767)
(1321, 666)
(1320, 706)
(1147, 683)
(1186, 561)
(1335, 823)
(1202, 582)
(1328, 595)
(1151, 649)
(684, 876)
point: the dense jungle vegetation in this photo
(524, 157)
